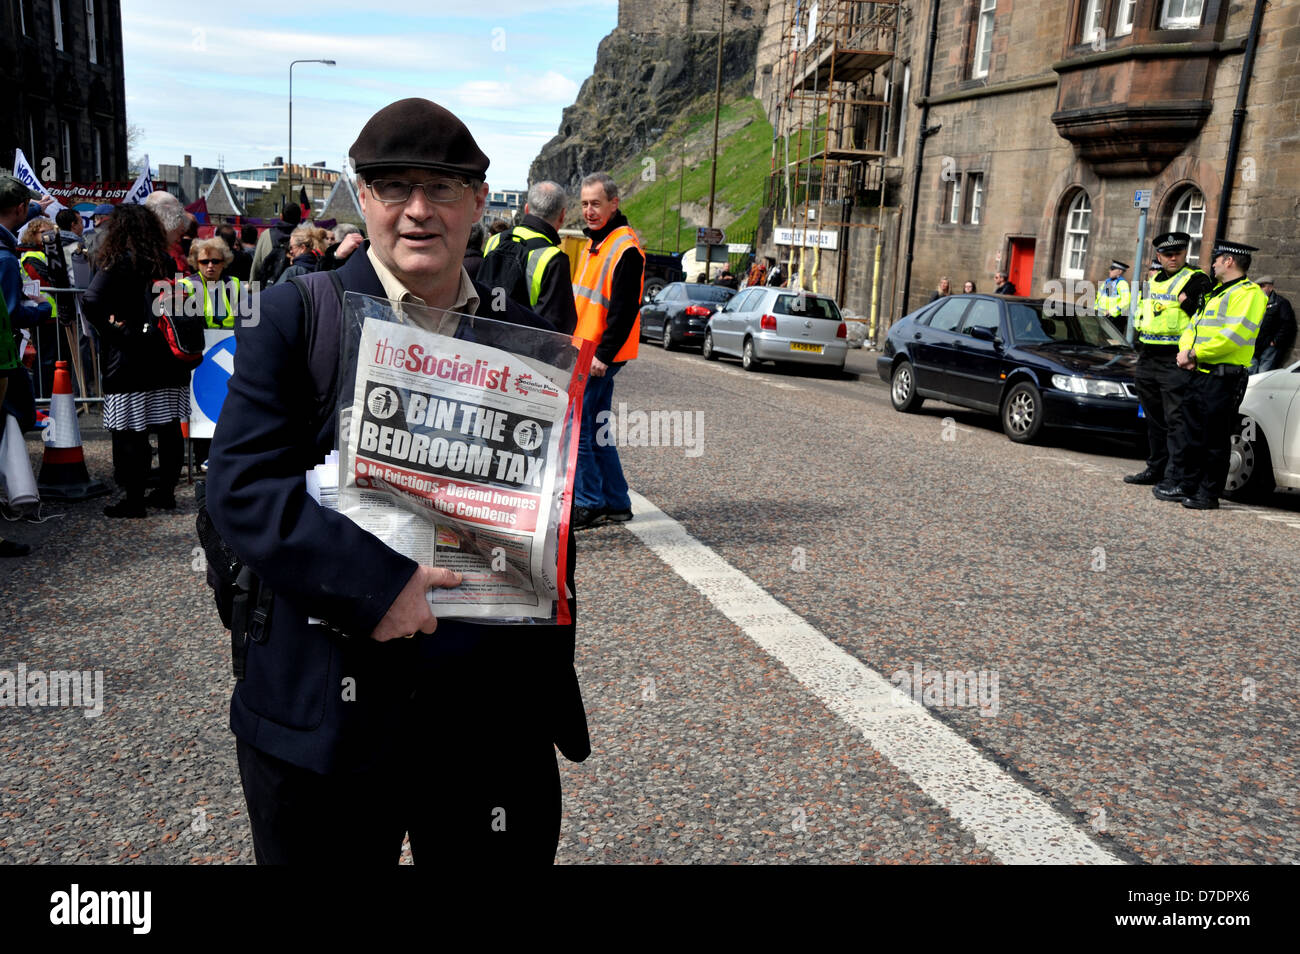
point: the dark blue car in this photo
(1034, 363)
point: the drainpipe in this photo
(925, 133)
(1238, 120)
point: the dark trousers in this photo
(1212, 415)
(1162, 389)
(492, 798)
(132, 457)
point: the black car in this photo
(680, 313)
(1034, 363)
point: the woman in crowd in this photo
(209, 258)
(145, 388)
(306, 246)
(968, 288)
(944, 289)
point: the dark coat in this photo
(135, 357)
(321, 564)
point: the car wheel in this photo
(653, 287)
(706, 349)
(902, 388)
(1022, 413)
(1250, 467)
(668, 337)
(748, 360)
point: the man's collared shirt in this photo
(466, 302)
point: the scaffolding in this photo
(831, 124)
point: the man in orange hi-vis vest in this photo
(607, 291)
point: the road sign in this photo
(710, 237)
(208, 384)
(1142, 199)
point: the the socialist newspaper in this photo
(454, 458)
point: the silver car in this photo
(776, 324)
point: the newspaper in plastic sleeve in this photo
(453, 450)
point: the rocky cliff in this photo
(643, 80)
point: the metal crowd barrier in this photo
(68, 338)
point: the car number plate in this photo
(801, 346)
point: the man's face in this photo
(1172, 261)
(1267, 288)
(12, 217)
(1001, 277)
(597, 208)
(1116, 272)
(419, 239)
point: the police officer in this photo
(1171, 297)
(1217, 347)
(1113, 296)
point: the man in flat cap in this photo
(350, 737)
(1171, 296)
(1276, 332)
(1217, 348)
(1113, 296)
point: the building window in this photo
(99, 156)
(1181, 14)
(954, 199)
(56, 8)
(1078, 222)
(1124, 19)
(976, 189)
(1189, 216)
(1092, 14)
(66, 139)
(984, 39)
(91, 40)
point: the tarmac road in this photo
(1132, 663)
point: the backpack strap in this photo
(323, 322)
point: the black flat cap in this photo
(419, 134)
(1171, 241)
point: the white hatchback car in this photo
(1266, 453)
(775, 324)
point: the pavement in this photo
(803, 553)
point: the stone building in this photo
(64, 98)
(1045, 118)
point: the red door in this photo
(1021, 273)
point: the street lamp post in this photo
(291, 66)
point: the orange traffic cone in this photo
(63, 465)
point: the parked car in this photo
(1017, 358)
(1266, 452)
(680, 312)
(776, 324)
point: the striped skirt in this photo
(140, 410)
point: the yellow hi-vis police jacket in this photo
(1224, 330)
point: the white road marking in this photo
(1014, 824)
(747, 375)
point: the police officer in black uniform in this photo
(1169, 299)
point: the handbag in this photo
(182, 333)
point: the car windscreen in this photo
(1031, 325)
(697, 292)
(806, 306)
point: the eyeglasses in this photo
(397, 191)
(212, 261)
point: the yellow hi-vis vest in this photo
(1114, 297)
(539, 257)
(40, 257)
(1161, 319)
(210, 318)
(594, 283)
(1224, 330)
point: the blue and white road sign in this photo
(208, 383)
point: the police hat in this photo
(418, 134)
(1122, 266)
(1233, 248)
(1171, 241)
(104, 209)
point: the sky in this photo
(216, 87)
